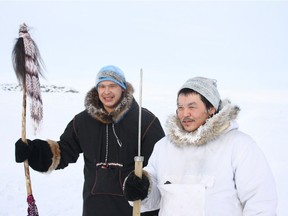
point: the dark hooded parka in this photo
(109, 143)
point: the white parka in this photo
(216, 170)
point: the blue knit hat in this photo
(111, 73)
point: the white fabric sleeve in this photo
(254, 180)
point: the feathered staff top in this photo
(26, 62)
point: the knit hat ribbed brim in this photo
(111, 73)
(206, 87)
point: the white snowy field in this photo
(263, 115)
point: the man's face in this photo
(109, 94)
(192, 112)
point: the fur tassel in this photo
(27, 66)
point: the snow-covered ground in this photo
(264, 115)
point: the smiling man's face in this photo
(110, 94)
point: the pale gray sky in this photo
(242, 44)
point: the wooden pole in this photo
(25, 56)
(23, 137)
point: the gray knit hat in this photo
(206, 87)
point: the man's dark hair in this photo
(187, 91)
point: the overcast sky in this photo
(242, 44)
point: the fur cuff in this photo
(54, 146)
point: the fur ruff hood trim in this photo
(95, 108)
(213, 128)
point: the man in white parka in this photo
(204, 166)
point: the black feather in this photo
(18, 60)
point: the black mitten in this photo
(22, 150)
(38, 153)
(136, 188)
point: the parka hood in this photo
(213, 128)
(95, 108)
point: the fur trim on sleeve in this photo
(54, 146)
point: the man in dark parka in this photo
(106, 132)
